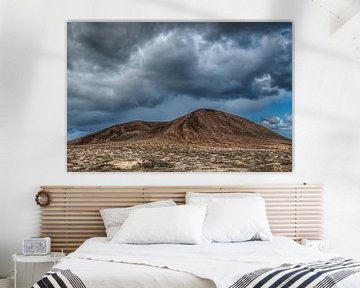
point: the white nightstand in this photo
(320, 245)
(53, 257)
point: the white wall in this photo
(33, 109)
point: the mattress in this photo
(99, 263)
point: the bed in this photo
(294, 211)
(99, 263)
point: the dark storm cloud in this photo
(105, 44)
(117, 67)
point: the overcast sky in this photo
(124, 71)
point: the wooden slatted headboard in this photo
(73, 215)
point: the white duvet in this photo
(100, 263)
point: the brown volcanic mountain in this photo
(202, 127)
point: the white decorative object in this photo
(236, 220)
(113, 218)
(53, 257)
(172, 225)
(320, 245)
(36, 246)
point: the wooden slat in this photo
(73, 216)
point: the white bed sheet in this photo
(100, 263)
(101, 274)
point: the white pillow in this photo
(180, 224)
(236, 220)
(204, 198)
(113, 218)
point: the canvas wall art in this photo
(179, 96)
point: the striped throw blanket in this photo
(320, 274)
(58, 278)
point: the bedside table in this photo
(53, 257)
(320, 245)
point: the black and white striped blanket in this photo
(320, 274)
(57, 278)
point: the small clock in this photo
(36, 246)
(320, 245)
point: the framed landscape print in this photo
(179, 96)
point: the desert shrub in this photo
(156, 164)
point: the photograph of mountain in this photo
(179, 96)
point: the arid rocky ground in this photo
(165, 157)
(203, 140)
